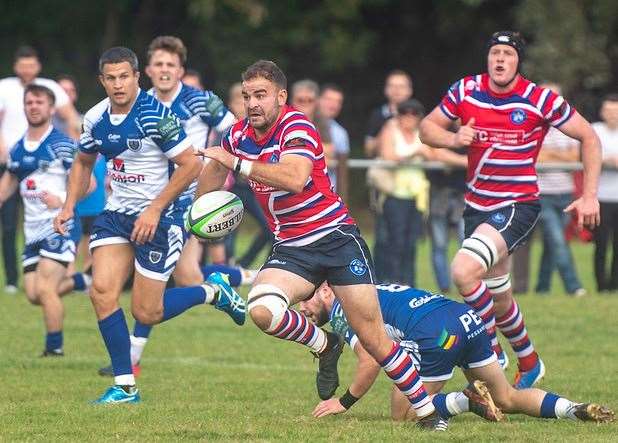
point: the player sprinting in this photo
(280, 154)
(441, 334)
(151, 163)
(39, 164)
(199, 112)
(504, 120)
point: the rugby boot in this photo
(481, 403)
(228, 299)
(503, 360)
(53, 353)
(116, 394)
(432, 422)
(593, 412)
(327, 378)
(527, 379)
(108, 371)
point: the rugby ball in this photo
(214, 215)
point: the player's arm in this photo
(587, 206)
(449, 157)
(434, 131)
(367, 370)
(188, 166)
(289, 174)
(8, 185)
(79, 182)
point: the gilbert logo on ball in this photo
(214, 215)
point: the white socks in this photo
(137, 348)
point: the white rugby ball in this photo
(214, 215)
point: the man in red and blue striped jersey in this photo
(278, 150)
(504, 118)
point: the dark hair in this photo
(268, 70)
(70, 78)
(37, 90)
(411, 106)
(168, 43)
(118, 54)
(611, 97)
(332, 87)
(399, 72)
(193, 73)
(26, 52)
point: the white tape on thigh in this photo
(271, 298)
(482, 249)
(498, 285)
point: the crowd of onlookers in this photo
(405, 202)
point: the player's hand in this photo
(52, 201)
(219, 154)
(588, 212)
(465, 135)
(63, 216)
(328, 407)
(146, 225)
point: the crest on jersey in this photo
(155, 257)
(518, 116)
(134, 144)
(358, 267)
(273, 158)
(498, 217)
(53, 243)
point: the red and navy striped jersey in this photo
(296, 219)
(510, 130)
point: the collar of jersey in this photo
(138, 98)
(519, 88)
(40, 141)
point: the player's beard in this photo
(37, 122)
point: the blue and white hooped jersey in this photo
(199, 112)
(402, 308)
(138, 147)
(41, 167)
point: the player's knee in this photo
(147, 315)
(267, 305)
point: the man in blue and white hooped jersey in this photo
(39, 164)
(150, 163)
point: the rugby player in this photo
(441, 334)
(199, 112)
(39, 164)
(278, 150)
(504, 119)
(141, 226)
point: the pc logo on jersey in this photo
(134, 144)
(518, 116)
(118, 165)
(30, 184)
(358, 267)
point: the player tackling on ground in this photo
(504, 119)
(141, 226)
(279, 151)
(441, 334)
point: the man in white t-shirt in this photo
(556, 189)
(607, 231)
(13, 125)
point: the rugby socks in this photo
(400, 368)
(451, 404)
(53, 341)
(116, 337)
(554, 406)
(178, 300)
(482, 302)
(81, 281)
(294, 326)
(512, 326)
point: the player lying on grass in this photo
(441, 334)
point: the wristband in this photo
(245, 167)
(236, 165)
(347, 400)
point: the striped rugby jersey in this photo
(41, 167)
(138, 147)
(510, 130)
(296, 219)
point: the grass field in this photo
(203, 378)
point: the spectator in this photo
(608, 197)
(329, 107)
(304, 97)
(406, 191)
(556, 192)
(193, 78)
(397, 89)
(13, 125)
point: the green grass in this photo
(206, 379)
